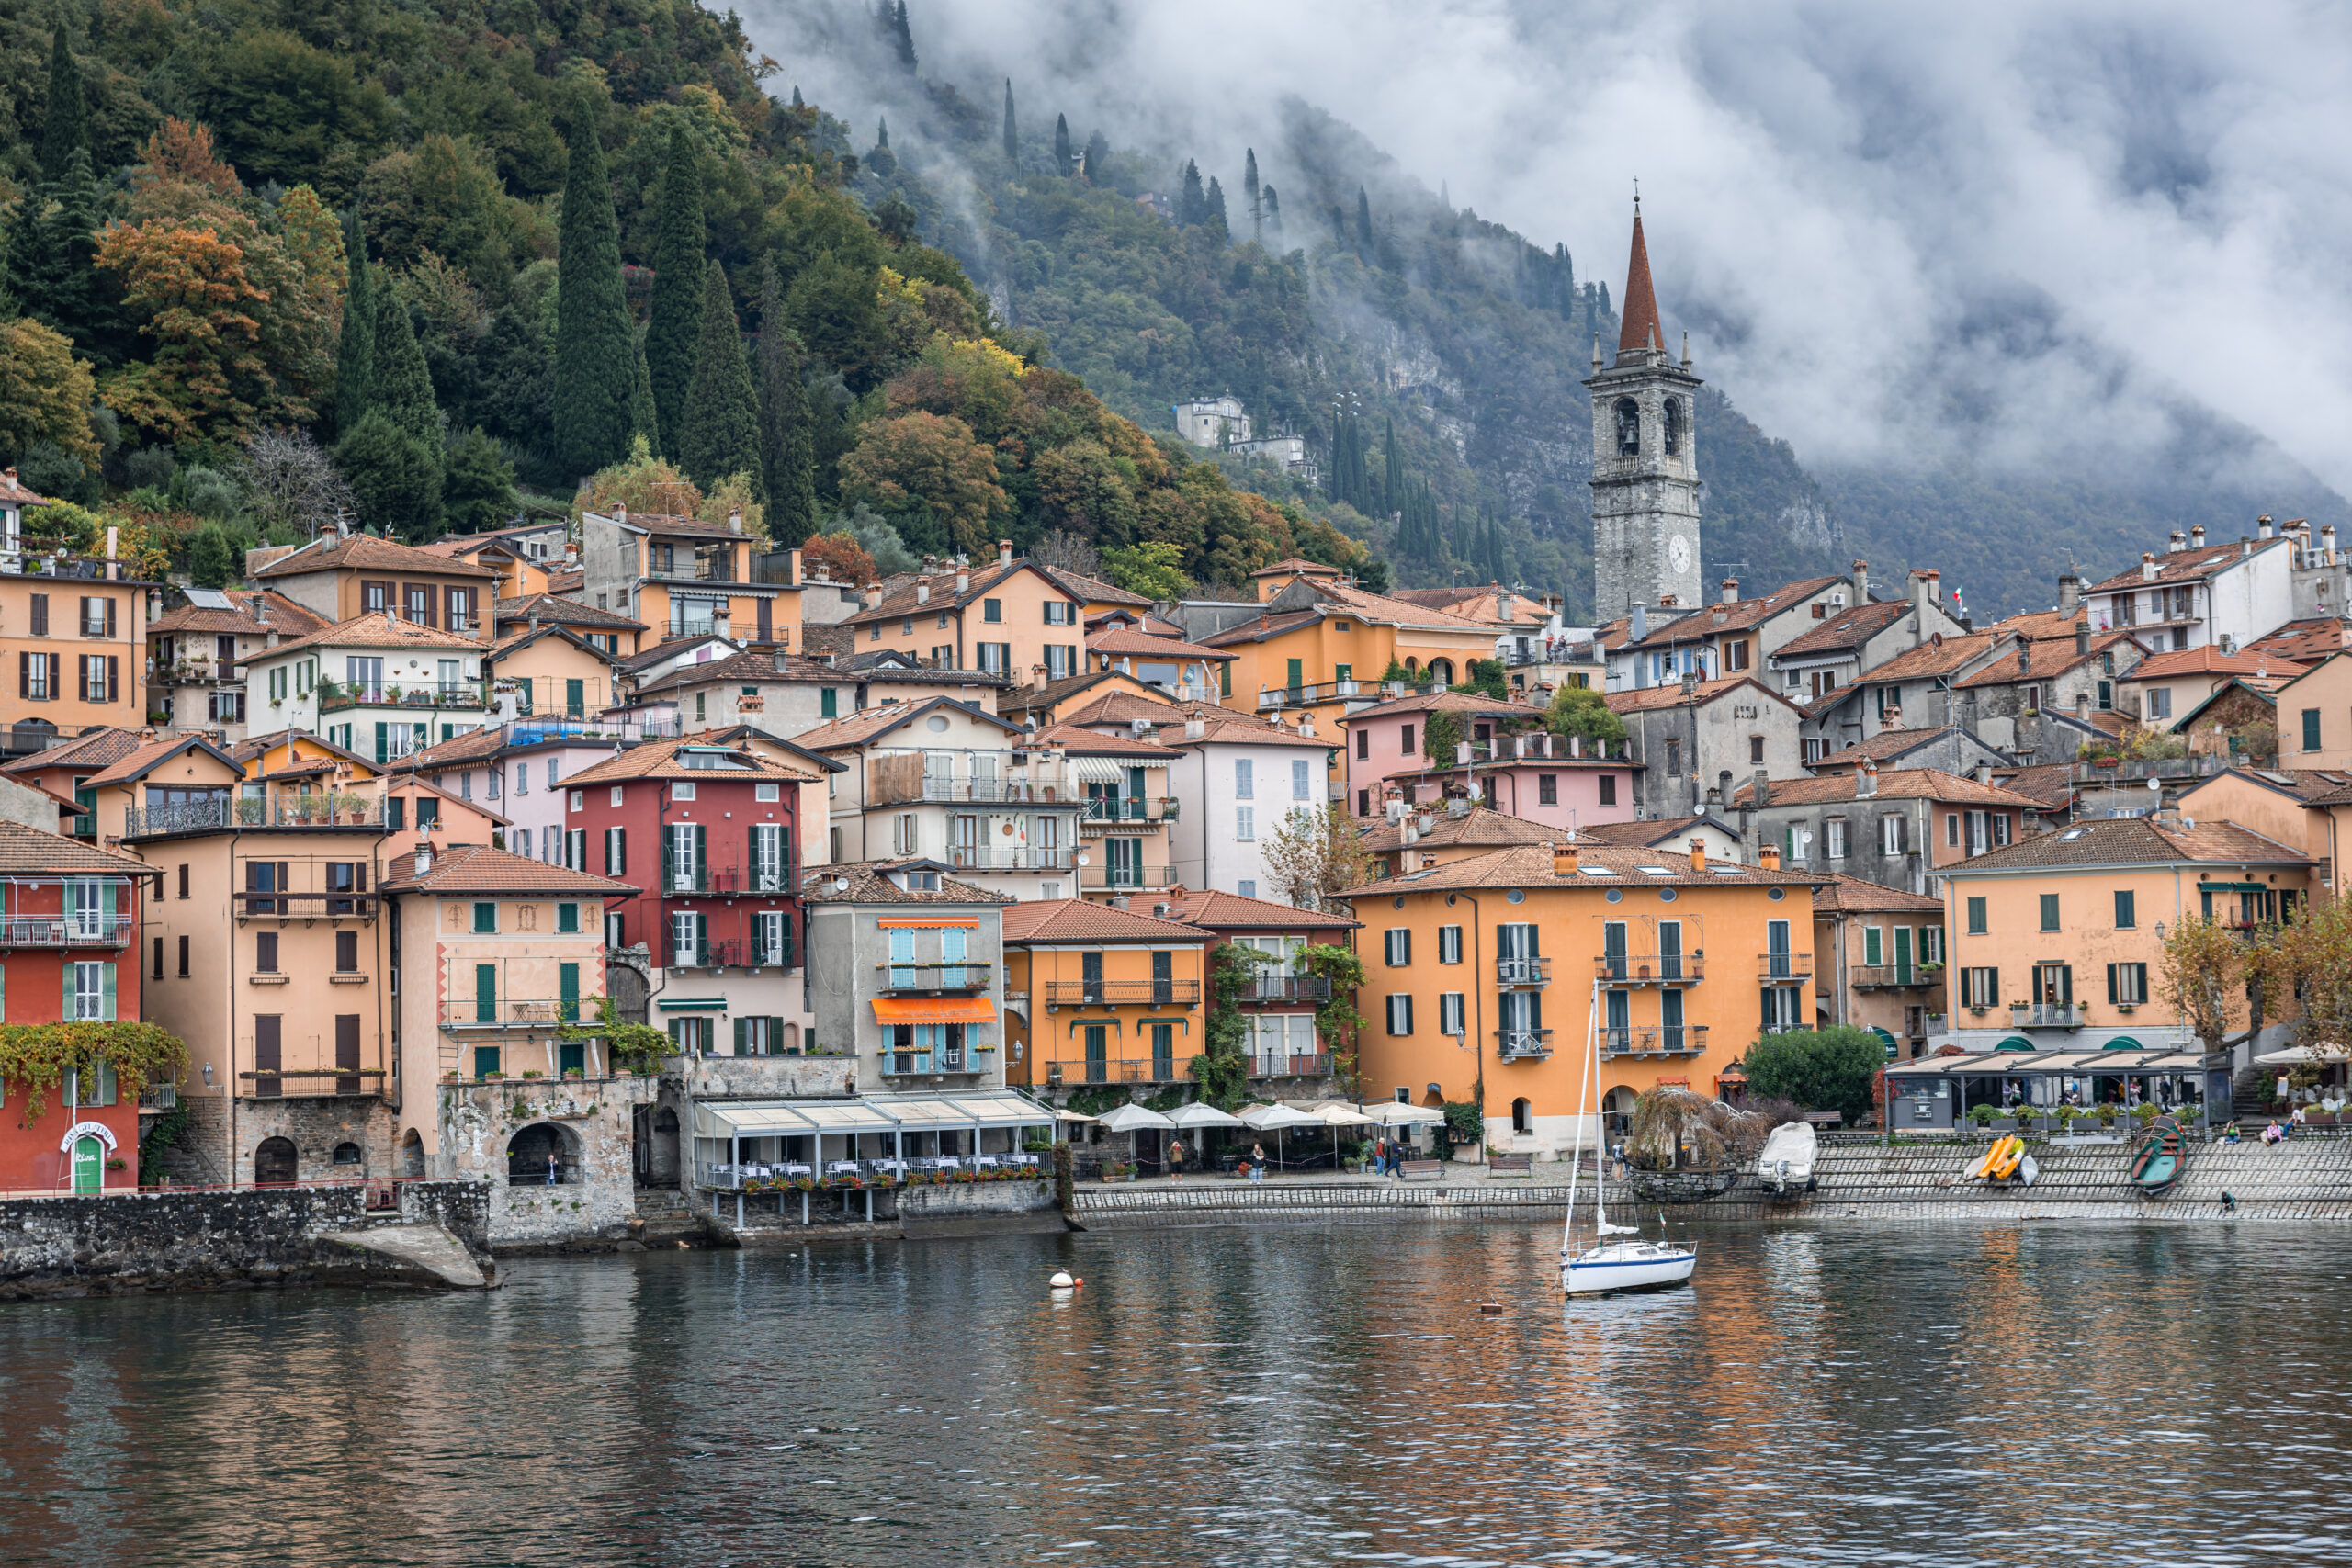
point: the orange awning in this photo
(933, 1009)
(927, 923)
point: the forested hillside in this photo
(268, 261)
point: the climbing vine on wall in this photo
(628, 1047)
(1223, 1069)
(37, 1056)
(1337, 1021)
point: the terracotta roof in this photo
(2050, 783)
(567, 582)
(14, 493)
(857, 729)
(2131, 840)
(1476, 703)
(523, 637)
(134, 763)
(2313, 786)
(1477, 827)
(23, 849)
(570, 612)
(1893, 784)
(1649, 834)
(285, 617)
(1844, 894)
(659, 760)
(1531, 866)
(672, 522)
(1885, 744)
(670, 649)
(1144, 644)
(2210, 660)
(1053, 693)
(1382, 608)
(1930, 658)
(868, 886)
(1641, 328)
(898, 600)
(1220, 910)
(1266, 626)
(1294, 567)
(1075, 919)
(2182, 566)
(99, 747)
(358, 552)
(377, 629)
(1737, 616)
(2041, 624)
(1848, 628)
(1227, 727)
(1093, 589)
(1650, 698)
(1125, 707)
(2307, 641)
(474, 746)
(2048, 656)
(472, 868)
(1095, 743)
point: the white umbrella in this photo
(1391, 1113)
(1128, 1118)
(1336, 1115)
(1276, 1118)
(2299, 1057)
(1199, 1115)
(1062, 1115)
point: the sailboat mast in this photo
(1584, 1099)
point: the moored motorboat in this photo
(1786, 1165)
(2161, 1160)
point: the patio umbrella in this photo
(1390, 1113)
(1275, 1119)
(2302, 1056)
(1336, 1115)
(1200, 1115)
(1131, 1117)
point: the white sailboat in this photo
(1606, 1266)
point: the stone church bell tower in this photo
(1644, 461)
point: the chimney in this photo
(2083, 706)
(874, 596)
(1194, 728)
(1731, 590)
(269, 638)
(1038, 676)
(423, 856)
(1866, 779)
(1118, 900)
(962, 583)
(1861, 582)
(2147, 566)
(1699, 854)
(1666, 601)
(2082, 637)
(1768, 858)
(1306, 725)
(1641, 627)
(535, 620)
(1763, 790)
(2024, 656)
(922, 591)
(261, 608)
(719, 625)
(1926, 588)
(1563, 860)
(2197, 535)
(2262, 527)
(2070, 594)
(2176, 543)
(734, 519)
(1985, 773)
(2327, 543)
(620, 512)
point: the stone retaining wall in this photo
(131, 1243)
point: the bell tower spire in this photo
(1645, 460)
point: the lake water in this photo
(1945, 1394)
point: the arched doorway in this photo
(1522, 1115)
(1617, 1111)
(273, 1162)
(89, 1164)
(661, 1149)
(412, 1155)
(542, 1154)
(1442, 671)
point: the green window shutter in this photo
(1225, 677)
(575, 698)
(567, 919)
(775, 1035)
(383, 740)
(486, 919)
(2310, 729)
(702, 932)
(1297, 673)
(2110, 984)
(107, 894)
(669, 859)
(738, 1035)
(106, 992)
(702, 856)
(2050, 911)
(485, 993)
(569, 983)
(828, 705)
(1872, 946)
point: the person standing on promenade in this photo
(1176, 1160)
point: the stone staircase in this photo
(2250, 1095)
(664, 1218)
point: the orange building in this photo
(343, 578)
(1009, 617)
(1879, 961)
(684, 577)
(1320, 644)
(1482, 976)
(1098, 995)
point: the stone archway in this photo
(276, 1162)
(544, 1153)
(412, 1155)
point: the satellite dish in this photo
(2155, 783)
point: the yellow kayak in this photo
(2001, 1161)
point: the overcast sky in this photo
(2034, 232)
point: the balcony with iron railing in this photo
(1108, 808)
(2046, 1015)
(1273, 698)
(1151, 993)
(1100, 876)
(932, 788)
(15, 562)
(769, 570)
(1892, 977)
(939, 977)
(1171, 1068)
(280, 809)
(1636, 969)
(946, 1059)
(1788, 967)
(1656, 1040)
(733, 952)
(966, 857)
(1530, 972)
(291, 906)
(729, 881)
(1523, 1045)
(507, 1012)
(1288, 988)
(65, 930)
(336, 697)
(1316, 1066)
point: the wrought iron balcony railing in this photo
(1516, 1043)
(1784, 965)
(942, 977)
(1526, 971)
(65, 930)
(1161, 993)
(1648, 969)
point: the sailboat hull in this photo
(1627, 1265)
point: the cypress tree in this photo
(1273, 213)
(401, 385)
(787, 439)
(1012, 137)
(674, 319)
(1606, 309)
(644, 414)
(902, 38)
(1098, 155)
(594, 340)
(1364, 220)
(721, 435)
(355, 352)
(1062, 165)
(1250, 189)
(53, 274)
(62, 130)
(1190, 202)
(1212, 210)
(1392, 472)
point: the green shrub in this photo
(1824, 1069)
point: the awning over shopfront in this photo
(933, 1009)
(883, 1113)
(692, 1004)
(2005, 1062)
(1099, 770)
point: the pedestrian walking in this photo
(1257, 1162)
(1176, 1160)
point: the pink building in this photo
(1515, 764)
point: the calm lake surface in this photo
(1946, 1394)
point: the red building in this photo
(711, 833)
(68, 933)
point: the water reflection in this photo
(1945, 1394)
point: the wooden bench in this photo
(1423, 1169)
(1522, 1166)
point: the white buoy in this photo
(1062, 1280)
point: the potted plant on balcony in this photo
(2067, 1115)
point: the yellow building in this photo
(1319, 643)
(683, 577)
(1011, 617)
(1098, 995)
(341, 579)
(2057, 943)
(1879, 961)
(551, 671)
(1482, 976)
